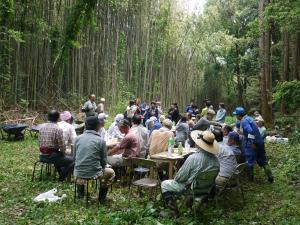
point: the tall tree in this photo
(265, 75)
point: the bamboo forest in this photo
(152, 112)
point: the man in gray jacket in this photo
(90, 158)
(202, 161)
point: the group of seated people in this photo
(218, 147)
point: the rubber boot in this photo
(102, 195)
(189, 202)
(269, 174)
(250, 173)
(171, 203)
(80, 190)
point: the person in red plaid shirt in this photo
(52, 146)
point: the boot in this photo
(250, 173)
(171, 203)
(102, 195)
(80, 190)
(189, 202)
(269, 174)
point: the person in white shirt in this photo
(100, 107)
(261, 127)
(131, 109)
(102, 132)
(69, 133)
(226, 158)
(113, 130)
(142, 134)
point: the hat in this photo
(66, 115)
(124, 123)
(102, 116)
(256, 113)
(167, 123)
(234, 136)
(119, 117)
(259, 119)
(147, 122)
(91, 121)
(211, 111)
(153, 118)
(162, 118)
(202, 125)
(206, 141)
(102, 99)
(239, 111)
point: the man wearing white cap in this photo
(204, 160)
(100, 107)
(69, 133)
(113, 130)
(102, 132)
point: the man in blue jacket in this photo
(253, 143)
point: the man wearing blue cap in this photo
(254, 143)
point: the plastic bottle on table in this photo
(187, 146)
(180, 149)
(170, 141)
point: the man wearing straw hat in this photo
(204, 160)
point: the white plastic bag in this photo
(49, 195)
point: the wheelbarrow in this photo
(16, 130)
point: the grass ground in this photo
(277, 203)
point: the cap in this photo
(168, 123)
(92, 120)
(102, 116)
(124, 123)
(234, 136)
(239, 111)
(66, 115)
(211, 111)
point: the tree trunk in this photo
(285, 73)
(265, 76)
(296, 58)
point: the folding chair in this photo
(151, 181)
(233, 183)
(123, 171)
(202, 187)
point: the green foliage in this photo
(6, 11)
(283, 121)
(294, 138)
(289, 91)
(285, 13)
(16, 35)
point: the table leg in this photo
(171, 170)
